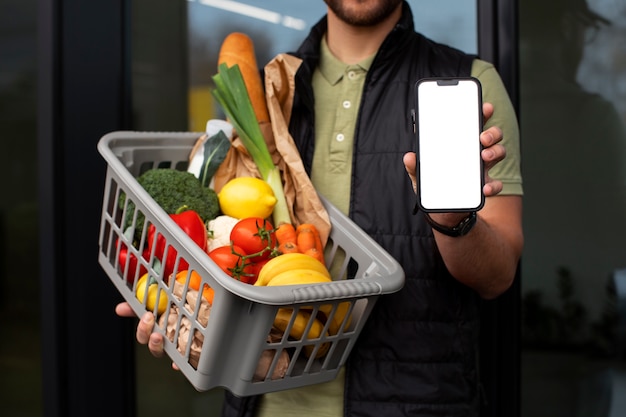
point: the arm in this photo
(486, 258)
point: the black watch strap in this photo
(460, 229)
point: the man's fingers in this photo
(144, 333)
(410, 162)
(155, 344)
(144, 328)
(487, 111)
(491, 136)
(124, 310)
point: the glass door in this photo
(573, 118)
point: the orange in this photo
(194, 283)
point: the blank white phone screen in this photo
(448, 129)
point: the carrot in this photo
(318, 239)
(308, 238)
(314, 253)
(305, 238)
(286, 233)
(313, 234)
(238, 49)
(288, 247)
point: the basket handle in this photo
(311, 293)
(338, 289)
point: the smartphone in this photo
(448, 123)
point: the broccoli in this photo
(173, 189)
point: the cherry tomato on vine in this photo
(255, 236)
(231, 259)
(256, 268)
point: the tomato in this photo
(255, 268)
(232, 260)
(255, 236)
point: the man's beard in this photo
(364, 12)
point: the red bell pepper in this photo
(192, 224)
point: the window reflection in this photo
(574, 159)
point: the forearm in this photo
(486, 258)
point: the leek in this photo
(231, 94)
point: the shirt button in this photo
(340, 137)
(346, 104)
(351, 75)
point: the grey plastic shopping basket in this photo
(235, 338)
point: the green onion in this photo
(231, 94)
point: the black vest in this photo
(418, 353)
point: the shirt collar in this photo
(333, 69)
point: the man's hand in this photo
(144, 334)
(492, 153)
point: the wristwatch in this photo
(460, 229)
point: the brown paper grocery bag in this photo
(302, 199)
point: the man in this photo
(351, 120)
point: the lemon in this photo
(151, 300)
(244, 197)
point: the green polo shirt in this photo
(338, 88)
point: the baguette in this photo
(238, 48)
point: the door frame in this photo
(498, 43)
(83, 93)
